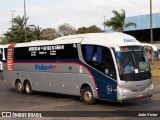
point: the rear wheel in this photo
(19, 87)
(87, 96)
(28, 88)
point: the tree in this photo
(19, 22)
(94, 29)
(35, 32)
(117, 23)
(15, 35)
(49, 34)
(17, 32)
(66, 29)
(81, 30)
(91, 29)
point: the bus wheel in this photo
(28, 88)
(87, 96)
(19, 87)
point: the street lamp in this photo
(151, 22)
(25, 20)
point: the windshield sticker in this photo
(136, 70)
(143, 66)
(106, 71)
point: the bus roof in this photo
(102, 39)
(4, 46)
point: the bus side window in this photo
(108, 63)
(93, 56)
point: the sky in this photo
(77, 13)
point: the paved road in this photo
(12, 101)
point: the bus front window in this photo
(133, 64)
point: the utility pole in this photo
(12, 17)
(151, 22)
(151, 30)
(25, 21)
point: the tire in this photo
(28, 88)
(87, 96)
(19, 87)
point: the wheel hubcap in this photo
(88, 95)
(19, 86)
(27, 88)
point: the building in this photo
(142, 30)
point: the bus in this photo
(1, 58)
(91, 66)
(151, 51)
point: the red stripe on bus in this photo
(10, 57)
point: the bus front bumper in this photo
(125, 94)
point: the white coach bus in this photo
(151, 50)
(1, 57)
(108, 66)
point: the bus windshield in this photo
(133, 64)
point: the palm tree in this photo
(35, 32)
(17, 31)
(117, 23)
(19, 22)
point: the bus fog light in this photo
(125, 91)
(122, 90)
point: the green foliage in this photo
(81, 30)
(16, 34)
(117, 23)
(4, 41)
(35, 32)
(91, 29)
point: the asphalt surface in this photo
(12, 101)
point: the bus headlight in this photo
(122, 90)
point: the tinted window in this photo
(108, 63)
(68, 51)
(100, 58)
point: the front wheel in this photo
(28, 88)
(87, 96)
